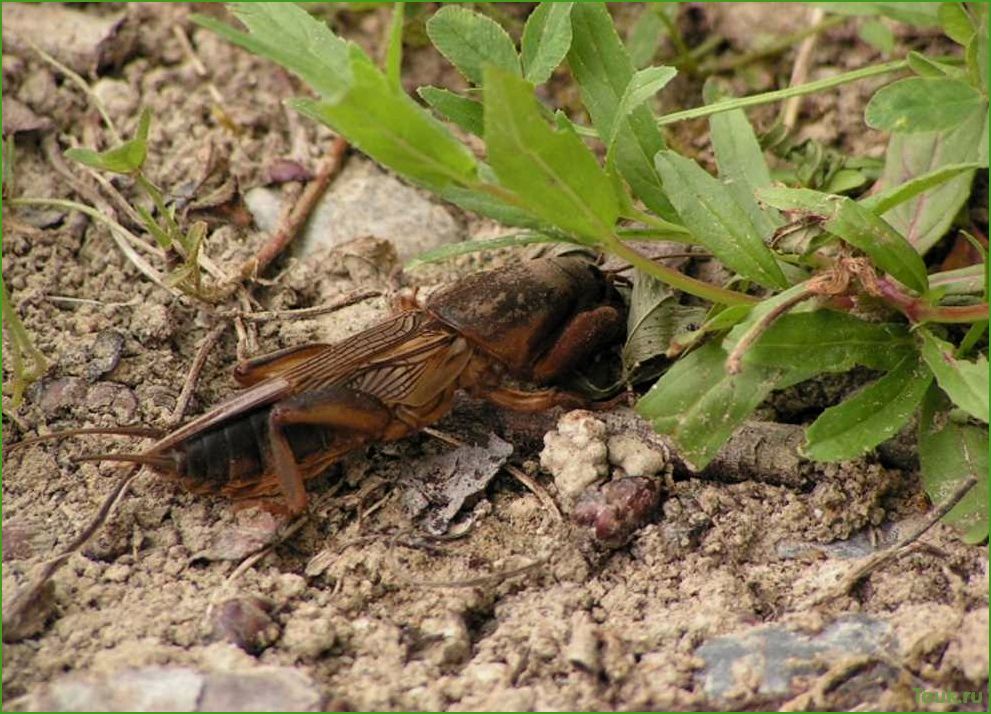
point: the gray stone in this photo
(363, 201)
(769, 658)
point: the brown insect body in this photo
(303, 408)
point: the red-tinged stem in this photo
(917, 310)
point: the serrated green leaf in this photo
(857, 226)
(883, 201)
(486, 204)
(603, 69)
(700, 406)
(717, 220)
(740, 160)
(878, 35)
(552, 173)
(965, 382)
(546, 40)
(466, 113)
(288, 35)
(471, 42)
(922, 104)
(874, 414)
(925, 219)
(393, 129)
(643, 85)
(811, 343)
(956, 23)
(949, 455)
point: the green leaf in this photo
(929, 67)
(643, 85)
(552, 173)
(884, 201)
(356, 100)
(471, 42)
(717, 220)
(962, 281)
(453, 250)
(878, 35)
(646, 34)
(811, 343)
(845, 180)
(124, 159)
(740, 160)
(857, 226)
(700, 406)
(546, 40)
(871, 416)
(922, 104)
(288, 35)
(466, 113)
(393, 129)
(956, 22)
(977, 55)
(949, 455)
(394, 54)
(486, 204)
(966, 383)
(925, 219)
(603, 70)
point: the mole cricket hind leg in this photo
(257, 369)
(334, 408)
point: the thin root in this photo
(295, 218)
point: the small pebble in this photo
(618, 509)
(245, 621)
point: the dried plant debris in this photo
(439, 486)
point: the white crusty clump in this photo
(575, 453)
(636, 457)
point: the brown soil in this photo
(355, 599)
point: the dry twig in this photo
(876, 560)
(296, 217)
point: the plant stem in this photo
(917, 310)
(675, 279)
(735, 359)
(684, 58)
(172, 228)
(635, 214)
(20, 345)
(780, 94)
